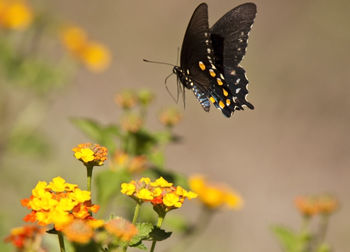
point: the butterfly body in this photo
(210, 57)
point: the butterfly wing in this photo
(229, 36)
(194, 49)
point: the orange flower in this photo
(121, 228)
(327, 204)
(313, 205)
(214, 195)
(126, 99)
(91, 154)
(132, 123)
(26, 238)
(170, 117)
(78, 231)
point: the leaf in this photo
(144, 230)
(291, 241)
(108, 184)
(98, 133)
(139, 245)
(158, 234)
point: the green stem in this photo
(159, 224)
(136, 213)
(89, 176)
(323, 229)
(61, 242)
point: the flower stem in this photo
(323, 229)
(89, 176)
(136, 212)
(159, 224)
(61, 242)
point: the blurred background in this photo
(295, 142)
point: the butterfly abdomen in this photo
(202, 98)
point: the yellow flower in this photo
(128, 188)
(144, 194)
(161, 182)
(15, 14)
(58, 203)
(121, 228)
(78, 231)
(214, 195)
(95, 56)
(162, 194)
(91, 154)
(171, 199)
(85, 154)
(74, 38)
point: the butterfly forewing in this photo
(193, 49)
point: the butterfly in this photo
(210, 57)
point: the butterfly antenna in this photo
(158, 62)
(167, 89)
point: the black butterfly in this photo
(209, 63)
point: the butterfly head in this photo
(183, 77)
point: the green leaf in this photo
(103, 135)
(144, 230)
(324, 247)
(158, 234)
(108, 184)
(291, 241)
(139, 245)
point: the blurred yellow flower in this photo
(214, 195)
(15, 14)
(91, 154)
(138, 164)
(74, 38)
(95, 56)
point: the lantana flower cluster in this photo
(214, 195)
(26, 237)
(91, 154)
(58, 203)
(160, 193)
(15, 14)
(313, 205)
(93, 55)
